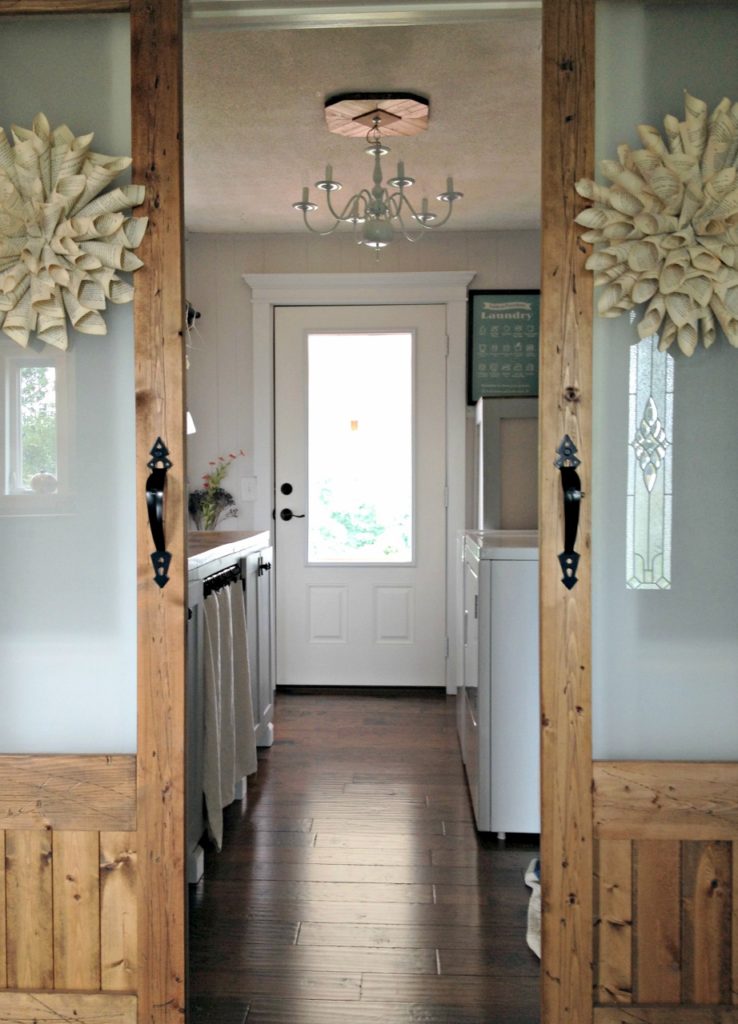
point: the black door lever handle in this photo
(288, 514)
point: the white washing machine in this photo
(498, 705)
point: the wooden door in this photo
(92, 846)
(639, 858)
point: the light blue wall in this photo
(666, 662)
(68, 601)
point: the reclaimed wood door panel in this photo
(654, 843)
(90, 930)
(665, 898)
(69, 911)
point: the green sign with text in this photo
(503, 344)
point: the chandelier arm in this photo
(344, 216)
(395, 204)
(317, 231)
(414, 213)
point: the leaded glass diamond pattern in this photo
(650, 451)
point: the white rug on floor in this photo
(533, 934)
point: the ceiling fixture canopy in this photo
(378, 212)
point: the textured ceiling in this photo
(255, 132)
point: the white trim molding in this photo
(433, 288)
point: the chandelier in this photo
(377, 213)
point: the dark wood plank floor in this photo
(354, 888)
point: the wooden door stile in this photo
(156, 77)
(565, 408)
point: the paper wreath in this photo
(667, 228)
(62, 238)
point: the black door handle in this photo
(159, 464)
(288, 514)
(567, 463)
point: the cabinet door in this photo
(259, 626)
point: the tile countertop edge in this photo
(213, 546)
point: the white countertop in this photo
(207, 547)
(518, 545)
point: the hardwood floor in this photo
(354, 888)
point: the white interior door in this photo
(361, 467)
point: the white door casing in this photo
(344, 616)
(448, 288)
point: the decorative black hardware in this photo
(263, 567)
(288, 514)
(567, 463)
(286, 488)
(222, 578)
(159, 464)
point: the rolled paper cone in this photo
(655, 223)
(681, 309)
(643, 256)
(668, 188)
(702, 259)
(653, 317)
(624, 202)
(707, 329)
(619, 230)
(644, 289)
(135, 228)
(592, 237)
(687, 339)
(651, 139)
(667, 336)
(602, 260)
(671, 279)
(120, 291)
(699, 289)
(91, 295)
(674, 135)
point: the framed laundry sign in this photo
(503, 344)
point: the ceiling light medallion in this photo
(377, 213)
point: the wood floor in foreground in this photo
(354, 887)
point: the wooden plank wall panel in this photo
(76, 902)
(706, 922)
(614, 930)
(658, 922)
(67, 792)
(63, 1007)
(665, 800)
(565, 408)
(118, 918)
(29, 909)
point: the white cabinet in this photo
(498, 710)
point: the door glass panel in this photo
(360, 448)
(67, 469)
(665, 473)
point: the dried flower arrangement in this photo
(211, 503)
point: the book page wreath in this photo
(63, 239)
(666, 229)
